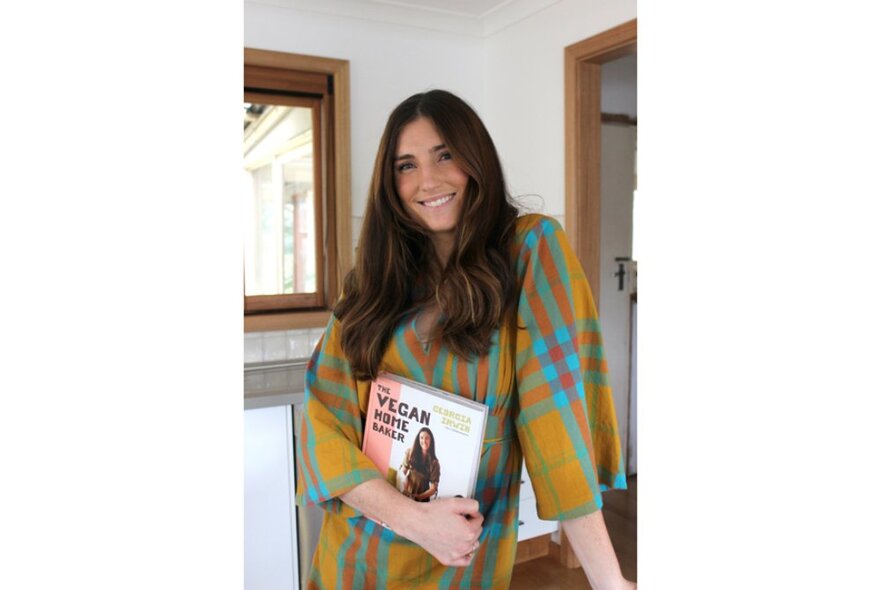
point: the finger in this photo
(463, 561)
(474, 509)
(467, 551)
(474, 522)
(468, 506)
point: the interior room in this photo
(515, 62)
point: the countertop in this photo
(274, 384)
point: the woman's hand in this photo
(449, 529)
(427, 493)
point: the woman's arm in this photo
(448, 529)
(405, 466)
(592, 546)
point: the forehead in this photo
(418, 135)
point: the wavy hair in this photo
(416, 458)
(396, 265)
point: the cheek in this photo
(458, 175)
(403, 184)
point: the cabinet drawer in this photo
(529, 523)
(526, 490)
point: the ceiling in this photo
(468, 8)
(479, 18)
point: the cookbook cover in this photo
(427, 441)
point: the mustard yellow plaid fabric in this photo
(545, 383)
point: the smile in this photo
(437, 201)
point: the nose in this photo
(429, 180)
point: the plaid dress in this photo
(544, 380)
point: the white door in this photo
(616, 289)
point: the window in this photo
(296, 188)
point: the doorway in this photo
(618, 289)
(585, 62)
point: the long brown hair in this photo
(396, 265)
(416, 458)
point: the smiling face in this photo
(429, 183)
(424, 441)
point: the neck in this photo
(443, 244)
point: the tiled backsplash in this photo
(261, 347)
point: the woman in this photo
(452, 289)
(421, 468)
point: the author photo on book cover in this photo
(456, 288)
(420, 468)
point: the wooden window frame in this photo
(286, 72)
(268, 303)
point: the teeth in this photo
(438, 202)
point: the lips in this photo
(437, 201)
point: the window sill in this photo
(286, 321)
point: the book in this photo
(425, 440)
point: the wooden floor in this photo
(545, 573)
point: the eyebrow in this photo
(433, 150)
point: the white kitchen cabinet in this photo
(529, 524)
(270, 539)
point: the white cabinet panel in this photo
(270, 556)
(530, 525)
(525, 488)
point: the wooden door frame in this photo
(583, 148)
(583, 139)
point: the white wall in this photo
(619, 88)
(523, 85)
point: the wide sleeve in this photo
(329, 461)
(566, 421)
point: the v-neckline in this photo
(426, 341)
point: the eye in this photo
(445, 156)
(404, 166)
